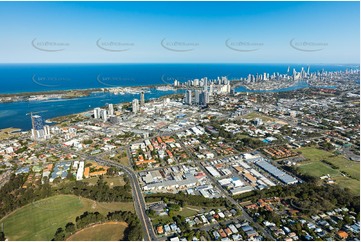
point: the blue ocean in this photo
(18, 78)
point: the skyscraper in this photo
(38, 127)
(211, 89)
(96, 113)
(196, 96)
(47, 130)
(37, 122)
(204, 98)
(228, 87)
(111, 109)
(189, 97)
(135, 106)
(141, 98)
(104, 114)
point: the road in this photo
(138, 198)
(139, 202)
(245, 215)
(231, 199)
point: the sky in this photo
(180, 32)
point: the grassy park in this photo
(39, 220)
(111, 231)
(345, 172)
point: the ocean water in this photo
(47, 77)
(15, 114)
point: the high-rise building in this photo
(228, 87)
(204, 98)
(249, 79)
(189, 97)
(47, 130)
(111, 109)
(37, 134)
(97, 113)
(141, 98)
(211, 89)
(37, 130)
(37, 122)
(135, 106)
(104, 114)
(196, 96)
(205, 83)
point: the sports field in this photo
(40, 220)
(112, 231)
(314, 166)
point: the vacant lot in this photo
(111, 180)
(112, 231)
(314, 166)
(7, 133)
(39, 220)
(264, 117)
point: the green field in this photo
(317, 169)
(345, 182)
(111, 180)
(350, 167)
(112, 231)
(314, 167)
(264, 118)
(40, 220)
(188, 211)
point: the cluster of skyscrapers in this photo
(277, 76)
(200, 97)
(204, 88)
(108, 114)
(104, 114)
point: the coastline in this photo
(83, 92)
(61, 108)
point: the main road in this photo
(139, 202)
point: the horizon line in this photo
(170, 63)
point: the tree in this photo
(59, 235)
(70, 227)
(2, 236)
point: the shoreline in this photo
(57, 122)
(65, 94)
(92, 89)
